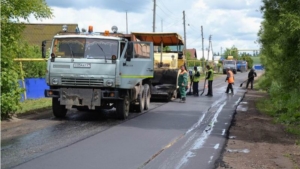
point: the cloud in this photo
(230, 23)
(135, 6)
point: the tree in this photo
(233, 51)
(166, 49)
(279, 38)
(12, 11)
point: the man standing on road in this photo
(251, 76)
(210, 78)
(230, 79)
(196, 79)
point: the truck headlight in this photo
(55, 81)
(109, 83)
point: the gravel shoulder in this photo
(256, 142)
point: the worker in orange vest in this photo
(230, 79)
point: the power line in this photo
(168, 15)
(166, 7)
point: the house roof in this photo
(34, 34)
(192, 52)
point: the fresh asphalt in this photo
(172, 135)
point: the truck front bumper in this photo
(81, 97)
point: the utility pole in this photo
(161, 25)
(126, 23)
(212, 51)
(221, 51)
(154, 14)
(184, 33)
(209, 40)
(202, 42)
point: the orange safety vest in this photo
(230, 79)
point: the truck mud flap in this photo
(80, 97)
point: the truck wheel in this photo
(147, 95)
(122, 108)
(140, 106)
(59, 111)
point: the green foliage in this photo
(248, 59)
(166, 49)
(231, 52)
(256, 60)
(279, 37)
(188, 55)
(32, 69)
(11, 28)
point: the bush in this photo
(33, 69)
(11, 28)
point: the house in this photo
(193, 53)
(35, 33)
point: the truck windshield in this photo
(90, 48)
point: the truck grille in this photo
(81, 82)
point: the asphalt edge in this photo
(219, 162)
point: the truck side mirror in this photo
(129, 51)
(44, 49)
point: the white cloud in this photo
(234, 22)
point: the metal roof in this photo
(168, 38)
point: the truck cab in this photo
(229, 63)
(98, 71)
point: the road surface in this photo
(169, 135)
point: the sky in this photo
(234, 22)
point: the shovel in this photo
(203, 88)
(245, 81)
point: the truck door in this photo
(138, 63)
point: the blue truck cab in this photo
(242, 66)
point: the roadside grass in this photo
(31, 105)
(256, 60)
(268, 107)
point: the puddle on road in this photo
(238, 150)
(242, 107)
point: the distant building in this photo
(35, 33)
(193, 53)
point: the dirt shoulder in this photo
(256, 142)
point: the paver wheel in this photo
(147, 95)
(122, 108)
(59, 111)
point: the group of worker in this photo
(195, 78)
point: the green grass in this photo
(31, 105)
(256, 60)
(267, 106)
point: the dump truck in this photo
(229, 63)
(90, 70)
(105, 70)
